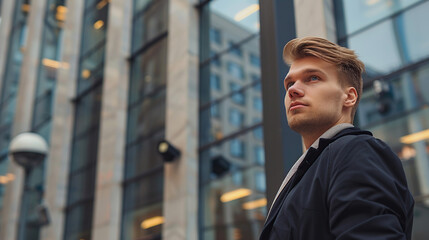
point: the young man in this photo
(347, 184)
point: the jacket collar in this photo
(309, 159)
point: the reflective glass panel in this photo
(233, 189)
(148, 71)
(17, 38)
(80, 196)
(380, 54)
(142, 216)
(151, 17)
(415, 36)
(399, 116)
(359, 14)
(231, 142)
(143, 203)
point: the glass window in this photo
(257, 82)
(147, 116)
(215, 36)
(359, 14)
(81, 217)
(151, 17)
(260, 155)
(84, 154)
(238, 95)
(380, 54)
(260, 181)
(235, 70)
(414, 35)
(258, 133)
(234, 49)
(236, 118)
(215, 82)
(148, 71)
(237, 148)
(144, 168)
(227, 161)
(246, 213)
(17, 38)
(393, 42)
(215, 59)
(257, 103)
(215, 111)
(255, 60)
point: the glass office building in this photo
(104, 81)
(391, 39)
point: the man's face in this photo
(314, 96)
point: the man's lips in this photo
(296, 105)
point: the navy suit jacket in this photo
(352, 187)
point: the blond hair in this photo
(349, 67)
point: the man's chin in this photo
(300, 126)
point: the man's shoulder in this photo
(361, 149)
(350, 138)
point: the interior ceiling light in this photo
(246, 12)
(86, 73)
(235, 194)
(51, 63)
(11, 176)
(61, 13)
(152, 222)
(102, 3)
(415, 137)
(255, 204)
(99, 24)
(25, 7)
(372, 2)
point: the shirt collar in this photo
(330, 133)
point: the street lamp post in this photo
(27, 150)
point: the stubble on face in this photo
(323, 99)
(311, 121)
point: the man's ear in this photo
(351, 97)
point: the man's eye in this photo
(288, 85)
(314, 78)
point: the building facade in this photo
(104, 81)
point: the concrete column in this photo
(5, 26)
(7, 9)
(180, 206)
(23, 116)
(56, 176)
(315, 18)
(111, 148)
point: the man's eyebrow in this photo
(305, 71)
(313, 70)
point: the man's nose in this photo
(295, 90)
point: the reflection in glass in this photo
(150, 71)
(359, 14)
(144, 169)
(234, 201)
(394, 42)
(10, 81)
(151, 17)
(378, 48)
(43, 103)
(84, 154)
(232, 177)
(405, 128)
(415, 35)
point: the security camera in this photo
(168, 151)
(28, 149)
